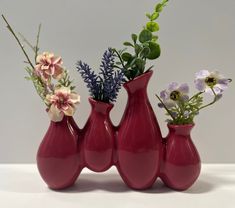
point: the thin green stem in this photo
(168, 111)
(26, 41)
(18, 41)
(196, 95)
(211, 103)
(37, 43)
(120, 58)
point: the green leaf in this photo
(126, 56)
(154, 16)
(155, 51)
(28, 78)
(145, 52)
(158, 7)
(134, 37)
(148, 15)
(128, 44)
(140, 64)
(152, 26)
(155, 38)
(138, 48)
(145, 36)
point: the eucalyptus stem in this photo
(211, 103)
(18, 41)
(168, 111)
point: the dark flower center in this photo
(211, 81)
(175, 95)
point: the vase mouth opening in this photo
(141, 80)
(100, 103)
(180, 126)
(142, 76)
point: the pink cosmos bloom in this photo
(62, 102)
(48, 65)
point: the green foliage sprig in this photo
(145, 46)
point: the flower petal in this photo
(55, 114)
(200, 84)
(202, 74)
(164, 95)
(74, 98)
(70, 111)
(173, 86)
(184, 88)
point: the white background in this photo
(194, 35)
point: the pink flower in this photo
(62, 102)
(49, 66)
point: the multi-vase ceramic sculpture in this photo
(135, 147)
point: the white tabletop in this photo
(22, 187)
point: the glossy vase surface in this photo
(139, 137)
(181, 162)
(98, 137)
(58, 158)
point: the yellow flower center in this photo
(211, 81)
(175, 95)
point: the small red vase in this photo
(181, 162)
(58, 158)
(139, 137)
(98, 137)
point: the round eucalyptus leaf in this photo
(154, 16)
(155, 51)
(158, 7)
(126, 56)
(145, 36)
(152, 26)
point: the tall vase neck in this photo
(100, 107)
(138, 85)
(181, 130)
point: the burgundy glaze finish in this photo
(181, 162)
(139, 137)
(58, 157)
(98, 137)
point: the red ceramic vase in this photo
(139, 137)
(98, 137)
(181, 162)
(58, 158)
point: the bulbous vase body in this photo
(181, 162)
(98, 137)
(58, 157)
(139, 137)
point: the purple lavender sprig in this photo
(112, 80)
(105, 86)
(90, 78)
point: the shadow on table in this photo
(110, 183)
(29, 182)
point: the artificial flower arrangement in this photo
(136, 146)
(50, 79)
(180, 107)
